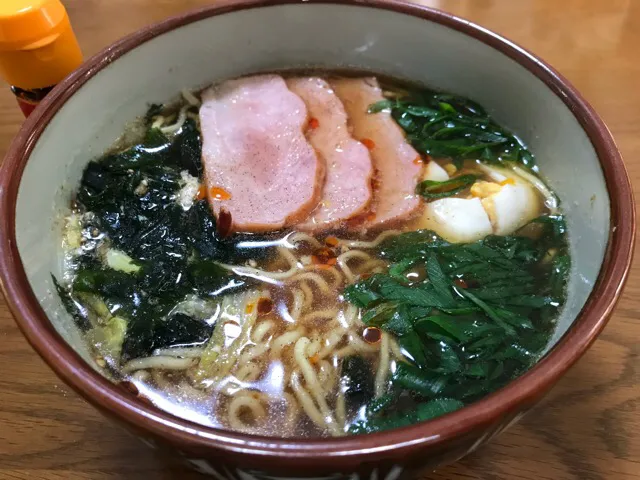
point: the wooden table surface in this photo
(587, 429)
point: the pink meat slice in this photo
(347, 188)
(257, 162)
(397, 172)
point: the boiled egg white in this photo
(457, 219)
(512, 207)
(499, 207)
(433, 171)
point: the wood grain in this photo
(587, 429)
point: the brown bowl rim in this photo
(106, 396)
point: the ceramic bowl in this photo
(89, 110)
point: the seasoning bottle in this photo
(37, 48)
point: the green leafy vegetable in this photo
(416, 380)
(154, 110)
(155, 252)
(445, 125)
(147, 334)
(482, 315)
(109, 337)
(432, 189)
(73, 306)
(440, 282)
(375, 422)
(438, 407)
(357, 380)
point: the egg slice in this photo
(511, 203)
(512, 207)
(500, 206)
(435, 172)
(457, 219)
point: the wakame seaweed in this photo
(448, 126)
(481, 316)
(129, 201)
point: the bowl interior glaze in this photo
(327, 36)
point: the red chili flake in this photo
(218, 193)
(418, 160)
(223, 224)
(364, 276)
(313, 123)
(202, 192)
(265, 305)
(461, 283)
(249, 308)
(367, 142)
(323, 256)
(371, 217)
(372, 335)
(314, 359)
(331, 241)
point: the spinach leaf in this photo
(437, 407)
(432, 189)
(400, 323)
(421, 295)
(450, 325)
(411, 246)
(483, 315)
(418, 381)
(441, 284)
(364, 294)
(446, 125)
(414, 348)
(375, 422)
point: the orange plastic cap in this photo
(27, 24)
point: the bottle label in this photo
(28, 99)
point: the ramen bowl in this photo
(89, 110)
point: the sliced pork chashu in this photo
(394, 160)
(347, 188)
(257, 162)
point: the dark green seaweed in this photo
(357, 381)
(131, 196)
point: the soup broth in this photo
(321, 326)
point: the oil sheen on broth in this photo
(315, 255)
